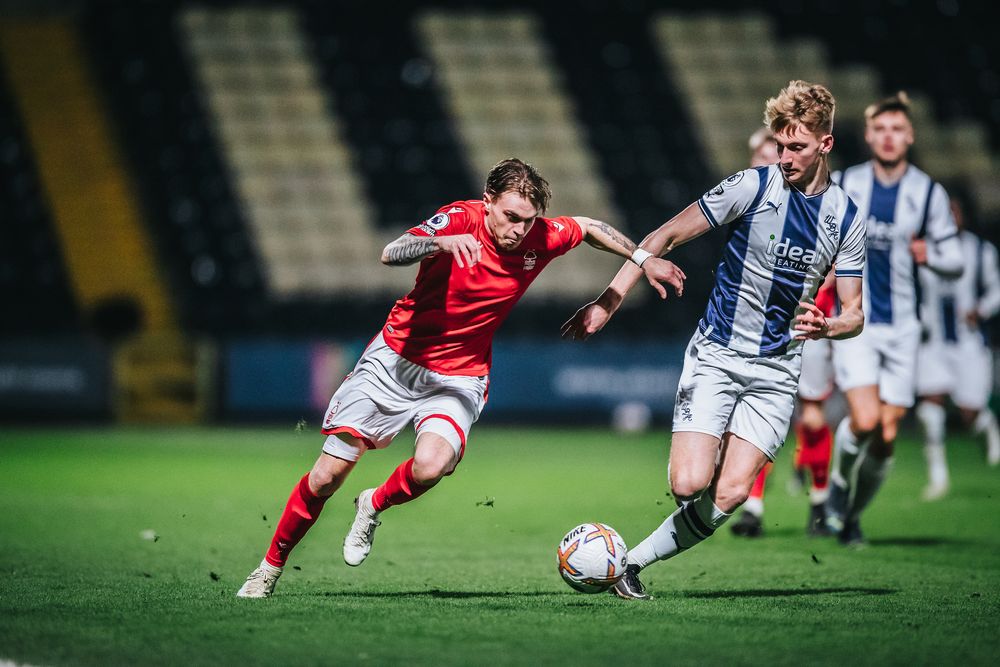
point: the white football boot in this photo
(360, 537)
(260, 583)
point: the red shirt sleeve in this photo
(449, 219)
(567, 234)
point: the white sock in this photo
(932, 418)
(847, 447)
(755, 506)
(984, 420)
(818, 496)
(692, 523)
(937, 465)
(871, 473)
(273, 569)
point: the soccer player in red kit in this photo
(430, 363)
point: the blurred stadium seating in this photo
(271, 149)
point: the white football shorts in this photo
(816, 380)
(722, 391)
(385, 392)
(962, 370)
(883, 355)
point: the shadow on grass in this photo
(444, 595)
(788, 592)
(916, 542)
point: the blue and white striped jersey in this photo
(781, 245)
(915, 206)
(946, 302)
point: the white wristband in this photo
(640, 256)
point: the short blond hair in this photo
(898, 102)
(810, 105)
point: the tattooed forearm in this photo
(603, 235)
(407, 250)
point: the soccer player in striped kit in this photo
(787, 225)
(909, 225)
(430, 363)
(955, 358)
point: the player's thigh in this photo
(856, 360)
(741, 461)
(372, 405)
(863, 407)
(975, 364)
(816, 379)
(764, 410)
(693, 458)
(710, 382)
(898, 375)
(449, 410)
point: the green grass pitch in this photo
(454, 579)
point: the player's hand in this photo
(587, 321)
(918, 247)
(972, 319)
(811, 322)
(658, 270)
(466, 249)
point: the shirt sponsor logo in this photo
(786, 255)
(880, 235)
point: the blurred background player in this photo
(737, 389)
(955, 359)
(430, 363)
(909, 225)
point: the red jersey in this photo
(447, 321)
(826, 298)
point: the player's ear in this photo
(488, 200)
(826, 144)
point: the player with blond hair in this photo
(909, 225)
(430, 363)
(788, 224)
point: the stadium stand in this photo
(39, 299)
(507, 99)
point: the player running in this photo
(955, 359)
(430, 363)
(909, 225)
(789, 224)
(813, 437)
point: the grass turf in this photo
(455, 579)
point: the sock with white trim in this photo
(847, 448)
(691, 524)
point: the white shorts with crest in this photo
(722, 391)
(385, 392)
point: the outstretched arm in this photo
(813, 324)
(410, 248)
(603, 236)
(686, 225)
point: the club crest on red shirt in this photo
(530, 258)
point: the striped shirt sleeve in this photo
(731, 198)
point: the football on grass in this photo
(592, 557)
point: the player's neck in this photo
(818, 183)
(889, 173)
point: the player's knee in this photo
(864, 422)
(428, 469)
(730, 495)
(687, 484)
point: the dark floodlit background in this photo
(193, 195)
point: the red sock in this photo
(300, 514)
(758, 484)
(399, 488)
(800, 440)
(816, 454)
